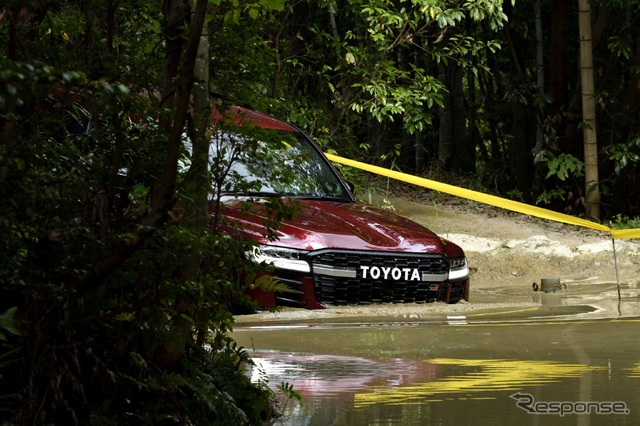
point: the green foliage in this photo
(563, 166)
(624, 155)
(8, 323)
(624, 222)
(101, 348)
(385, 85)
(99, 323)
(621, 47)
(516, 195)
(81, 153)
(290, 393)
(554, 194)
(376, 62)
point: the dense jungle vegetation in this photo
(115, 281)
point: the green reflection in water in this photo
(484, 375)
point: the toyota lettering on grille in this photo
(388, 273)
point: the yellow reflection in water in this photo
(635, 370)
(485, 375)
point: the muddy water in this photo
(557, 359)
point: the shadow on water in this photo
(533, 365)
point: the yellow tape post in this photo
(480, 197)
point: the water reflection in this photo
(486, 375)
(476, 368)
(323, 376)
(341, 390)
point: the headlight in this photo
(281, 258)
(458, 268)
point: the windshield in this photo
(271, 163)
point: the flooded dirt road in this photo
(508, 356)
(515, 364)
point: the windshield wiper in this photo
(318, 197)
(292, 195)
(250, 194)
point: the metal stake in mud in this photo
(615, 261)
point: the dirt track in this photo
(511, 248)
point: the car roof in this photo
(239, 115)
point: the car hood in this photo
(343, 225)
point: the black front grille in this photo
(333, 289)
(290, 298)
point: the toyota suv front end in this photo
(337, 251)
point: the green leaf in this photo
(277, 5)
(350, 58)
(7, 322)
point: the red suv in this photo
(338, 251)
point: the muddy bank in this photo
(511, 248)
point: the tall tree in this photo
(197, 179)
(592, 189)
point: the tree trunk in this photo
(521, 153)
(194, 67)
(538, 180)
(558, 76)
(445, 132)
(627, 122)
(177, 92)
(199, 175)
(419, 151)
(464, 157)
(588, 112)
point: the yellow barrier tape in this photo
(625, 233)
(480, 197)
